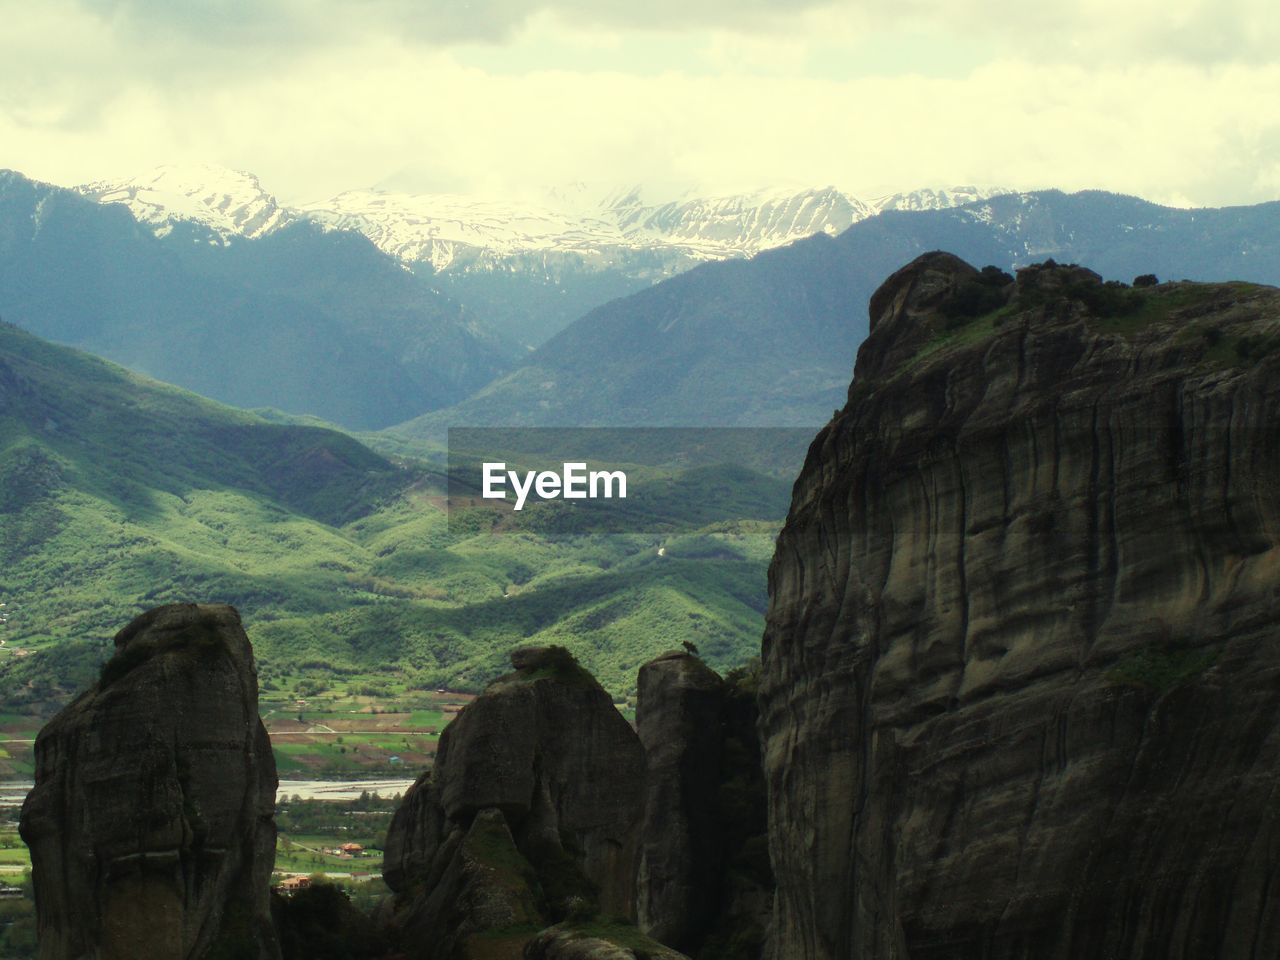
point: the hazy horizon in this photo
(566, 195)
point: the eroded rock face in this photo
(1021, 689)
(543, 752)
(679, 719)
(604, 942)
(151, 822)
(481, 884)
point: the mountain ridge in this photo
(232, 202)
(299, 318)
(529, 267)
(770, 341)
(452, 231)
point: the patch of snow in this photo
(227, 202)
(586, 226)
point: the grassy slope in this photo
(764, 342)
(118, 493)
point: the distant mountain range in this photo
(458, 233)
(527, 268)
(380, 309)
(296, 316)
(771, 340)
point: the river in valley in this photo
(13, 792)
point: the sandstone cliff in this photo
(1021, 688)
(530, 816)
(600, 942)
(678, 716)
(151, 822)
(704, 884)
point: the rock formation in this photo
(530, 816)
(704, 885)
(678, 716)
(1021, 684)
(604, 942)
(151, 822)
(746, 881)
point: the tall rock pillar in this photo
(151, 823)
(679, 719)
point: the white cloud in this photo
(1162, 100)
(1192, 30)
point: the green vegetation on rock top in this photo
(1110, 307)
(548, 663)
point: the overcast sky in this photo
(1177, 100)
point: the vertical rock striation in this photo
(605, 942)
(704, 884)
(530, 815)
(1021, 677)
(151, 822)
(678, 716)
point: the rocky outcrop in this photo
(151, 822)
(530, 815)
(746, 886)
(599, 942)
(1021, 690)
(679, 719)
(704, 884)
(480, 886)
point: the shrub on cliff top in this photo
(535, 663)
(974, 297)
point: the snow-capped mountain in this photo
(716, 228)
(931, 198)
(744, 224)
(460, 233)
(526, 268)
(228, 202)
(453, 232)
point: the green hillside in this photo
(309, 320)
(118, 493)
(764, 342)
